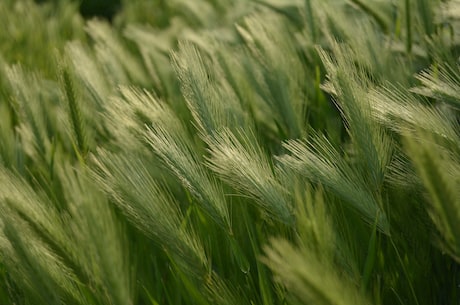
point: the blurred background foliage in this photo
(101, 8)
(229, 152)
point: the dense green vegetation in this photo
(230, 152)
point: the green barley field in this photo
(225, 152)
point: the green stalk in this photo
(311, 21)
(370, 259)
(406, 273)
(409, 27)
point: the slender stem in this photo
(405, 273)
(409, 27)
